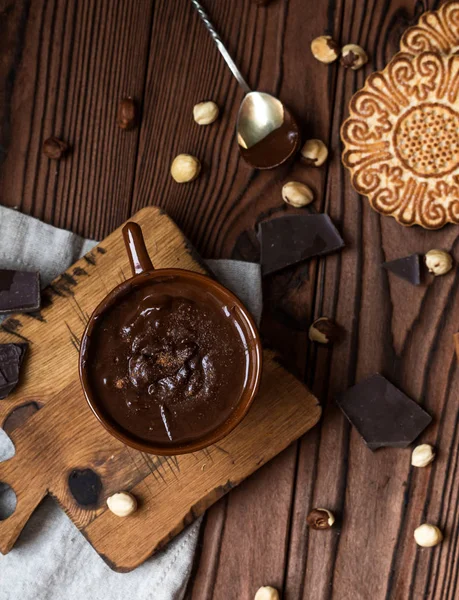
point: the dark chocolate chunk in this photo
(11, 357)
(85, 485)
(19, 291)
(408, 268)
(5, 390)
(247, 247)
(382, 414)
(291, 239)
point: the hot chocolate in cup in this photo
(170, 360)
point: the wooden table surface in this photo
(64, 66)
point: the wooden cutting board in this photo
(63, 451)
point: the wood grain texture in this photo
(402, 331)
(62, 444)
(67, 65)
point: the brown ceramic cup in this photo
(144, 273)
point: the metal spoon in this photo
(267, 133)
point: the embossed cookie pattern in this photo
(436, 31)
(401, 140)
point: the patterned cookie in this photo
(436, 31)
(401, 140)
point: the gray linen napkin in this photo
(51, 559)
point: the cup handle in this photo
(136, 249)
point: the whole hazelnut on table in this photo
(185, 168)
(353, 56)
(126, 117)
(427, 535)
(320, 518)
(438, 262)
(325, 49)
(297, 194)
(314, 153)
(122, 504)
(267, 593)
(55, 148)
(205, 113)
(422, 455)
(324, 331)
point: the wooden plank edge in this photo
(204, 503)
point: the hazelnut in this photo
(320, 518)
(205, 113)
(267, 593)
(325, 49)
(55, 148)
(122, 504)
(126, 117)
(324, 331)
(422, 455)
(427, 535)
(314, 153)
(438, 262)
(185, 168)
(353, 56)
(297, 194)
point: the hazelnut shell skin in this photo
(324, 331)
(127, 114)
(55, 148)
(349, 60)
(320, 518)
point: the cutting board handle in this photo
(136, 249)
(29, 494)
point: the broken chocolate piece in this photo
(11, 357)
(291, 239)
(408, 268)
(19, 291)
(382, 414)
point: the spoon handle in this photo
(223, 51)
